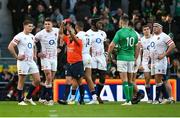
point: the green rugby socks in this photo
(126, 91)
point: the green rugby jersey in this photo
(126, 39)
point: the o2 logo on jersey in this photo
(51, 42)
(152, 45)
(98, 40)
(148, 47)
(30, 45)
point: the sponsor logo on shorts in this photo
(163, 70)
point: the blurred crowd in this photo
(109, 11)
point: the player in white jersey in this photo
(145, 42)
(160, 46)
(25, 63)
(87, 60)
(99, 64)
(48, 38)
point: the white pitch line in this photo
(53, 113)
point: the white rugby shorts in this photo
(125, 66)
(27, 67)
(49, 64)
(99, 62)
(159, 67)
(87, 60)
(145, 65)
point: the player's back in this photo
(126, 39)
(85, 40)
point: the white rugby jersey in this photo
(98, 39)
(159, 44)
(86, 41)
(145, 42)
(48, 42)
(25, 44)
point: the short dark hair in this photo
(48, 19)
(125, 18)
(80, 24)
(144, 26)
(27, 22)
(94, 20)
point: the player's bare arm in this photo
(90, 51)
(137, 50)
(169, 50)
(35, 53)
(41, 55)
(11, 48)
(61, 31)
(37, 50)
(110, 49)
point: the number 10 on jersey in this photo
(130, 41)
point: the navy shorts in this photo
(75, 70)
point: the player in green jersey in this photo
(126, 39)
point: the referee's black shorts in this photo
(75, 70)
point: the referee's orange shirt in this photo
(74, 51)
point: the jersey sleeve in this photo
(16, 39)
(168, 40)
(105, 36)
(37, 37)
(137, 38)
(116, 38)
(57, 31)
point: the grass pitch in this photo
(109, 109)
